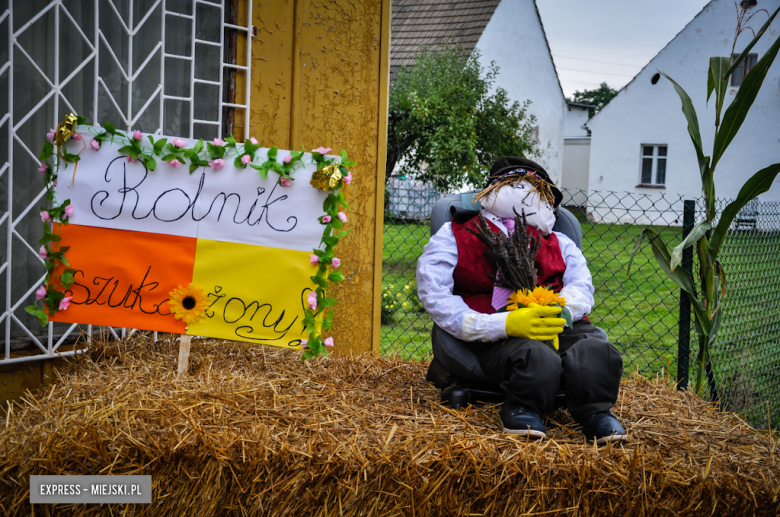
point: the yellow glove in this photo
(535, 322)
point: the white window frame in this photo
(654, 167)
(44, 343)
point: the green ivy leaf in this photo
(150, 163)
(48, 149)
(335, 276)
(109, 127)
(36, 311)
(159, 145)
(328, 302)
(327, 323)
(272, 153)
(198, 146)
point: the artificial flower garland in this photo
(50, 297)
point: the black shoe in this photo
(602, 428)
(523, 421)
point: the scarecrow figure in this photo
(456, 281)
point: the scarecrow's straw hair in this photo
(253, 431)
(540, 186)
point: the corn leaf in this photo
(758, 184)
(739, 107)
(693, 126)
(696, 233)
(745, 52)
(718, 82)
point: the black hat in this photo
(517, 165)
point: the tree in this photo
(708, 235)
(445, 126)
(598, 98)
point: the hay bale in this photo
(253, 431)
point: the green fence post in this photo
(684, 338)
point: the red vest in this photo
(475, 273)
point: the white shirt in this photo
(435, 284)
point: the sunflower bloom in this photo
(188, 303)
(540, 296)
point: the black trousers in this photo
(588, 370)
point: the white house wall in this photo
(514, 39)
(575, 118)
(644, 113)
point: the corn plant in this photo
(707, 236)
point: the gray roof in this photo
(419, 23)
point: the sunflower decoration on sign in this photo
(188, 303)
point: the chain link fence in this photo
(640, 311)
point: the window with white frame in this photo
(653, 165)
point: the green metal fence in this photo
(641, 311)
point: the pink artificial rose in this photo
(326, 218)
(253, 140)
(312, 301)
(40, 293)
(69, 211)
(217, 164)
(342, 217)
(314, 259)
(95, 145)
(131, 159)
(137, 135)
(336, 262)
(348, 178)
(218, 141)
(43, 167)
(76, 136)
(287, 158)
(304, 343)
(328, 341)
(45, 216)
(55, 182)
(50, 135)
(174, 163)
(178, 142)
(65, 302)
(43, 253)
(246, 159)
(322, 150)
(285, 182)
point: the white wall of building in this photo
(646, 113)
(515, 40)
(576, 158)
(575, 117)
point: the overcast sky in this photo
(595, 41)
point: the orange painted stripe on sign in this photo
(123, 277)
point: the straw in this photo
(254, 431)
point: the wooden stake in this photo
(184, 354)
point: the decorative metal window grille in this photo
(175, 67)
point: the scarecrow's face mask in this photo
(521, 197)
